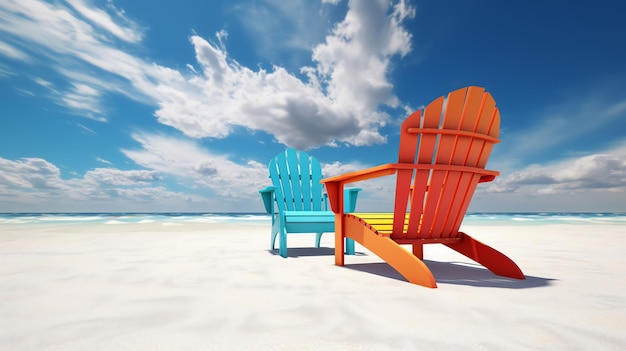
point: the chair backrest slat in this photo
(440, 198)
(316, 185)
(483, 150)
(297, 176)
(425, 154)
(305, 180)
(406, 154)
(463, 182)
(437, 213)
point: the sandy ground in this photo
(217, 287)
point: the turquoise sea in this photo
(475, 218)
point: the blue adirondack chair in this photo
(297, 193)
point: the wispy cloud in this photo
(101, 160)
(105, 21)
(86, 99)
(86, 129)
(6, 72)
(563, 125)
(76, 39)
(12, 52)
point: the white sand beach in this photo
(196, 286)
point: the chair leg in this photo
(273, 240)
(492, 259)
(318, 238)
(349, 246)
(418, 251)
(282, 244)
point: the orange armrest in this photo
(368, 173)
(391, 168)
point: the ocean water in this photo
(118, 218)
(475, 218)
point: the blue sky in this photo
(178, 106)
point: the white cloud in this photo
(337, 168)
(78, 40)
(34, 184)
(595, 175)
(6, 72)
(85, 99)
(377, 194)
(104, 161)
(192, 164)
(43, 83)
(573, 124)
(104, 20)
(12, 52)
(29, 174)
(338, 101)
(86, 130)
(117, 177)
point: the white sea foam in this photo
(181, 218)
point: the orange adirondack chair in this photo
(442, 158)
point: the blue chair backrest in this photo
(296, 176)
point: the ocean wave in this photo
(475, 218)
(137, 218)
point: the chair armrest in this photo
(334, 185)
(365, 174)
(487, 178)
(349, 199)
(267, 194)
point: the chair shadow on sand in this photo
(459, 273)
(309, 252)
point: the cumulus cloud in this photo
(602, 171)
(117, 177)
(192, 164)
(33, 182)
(29, 174)
(336, 99)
